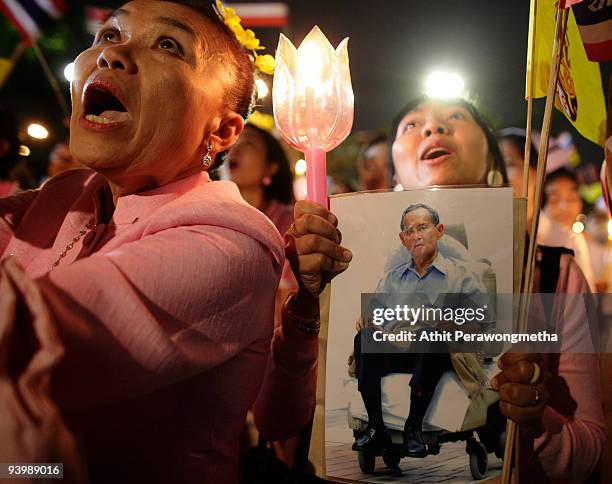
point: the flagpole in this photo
(15, 56)
(529, 95)
(512, 435)
(527, 154)
(18, 51)
(51, 78)
(525, 190)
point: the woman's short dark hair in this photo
(281, 188)
(517, 137)
(241, 95)
(498, 159)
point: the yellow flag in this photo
(579, 90)
(6, 65)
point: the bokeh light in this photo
(300, 167)
(578, 227)
(38, 131)
(69, 72)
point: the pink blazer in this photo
(166, 316)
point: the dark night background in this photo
(393, 46)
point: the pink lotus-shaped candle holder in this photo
(313, 102)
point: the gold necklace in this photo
(89, 227)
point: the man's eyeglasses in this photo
(419, 229)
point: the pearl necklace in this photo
(88, 228)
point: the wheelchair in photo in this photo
(452, 416)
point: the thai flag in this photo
(95, 18)
(273, 14)
(594, 19)
(29, 16)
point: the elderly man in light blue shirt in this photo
(437, 278)
(427, 271)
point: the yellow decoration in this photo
(261, 120)
(265, 63)
(246, 38)
(252, 42)
(220, 8)
(233, 22)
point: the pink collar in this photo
(131, 207)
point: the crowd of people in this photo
(147, 310)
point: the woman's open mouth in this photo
(435, 155)
(102, 108)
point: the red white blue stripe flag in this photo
(594, 20)
(266, 14)
(30, 16)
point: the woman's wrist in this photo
(304, 304)
(302, 311)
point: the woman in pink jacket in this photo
(144, 289)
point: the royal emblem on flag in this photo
(565, 85)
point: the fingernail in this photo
(347, 254)
(343, 265)
(494, 384)
(332, 218)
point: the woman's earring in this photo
(207, 160)
(266, 181)
(495, 178)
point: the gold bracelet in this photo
(306, 325)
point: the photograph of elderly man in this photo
(427, 272)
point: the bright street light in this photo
(38, 131)
(444, 85)
(262, 88)
(69, 72)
